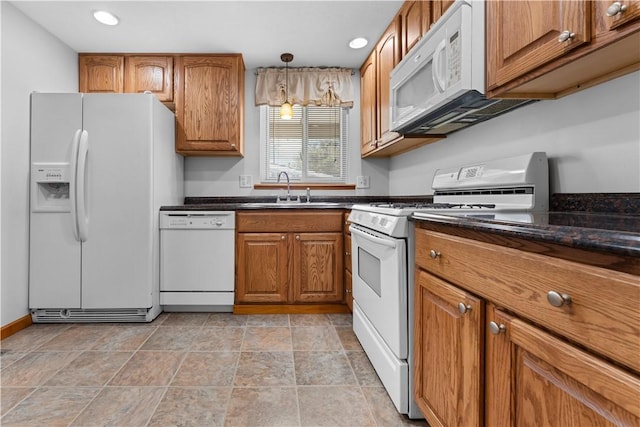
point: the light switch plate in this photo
(362, 181)
(246, 181)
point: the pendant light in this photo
(286, 110)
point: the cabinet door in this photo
(412, 23)
(348, 289)
(611, 15)
(262, 267)
(149, 73)
(209, 105)
(101, 73)
(439, 7)
(448, 347)
(388, 56)
(318, 267)
(524, 35)
(533, 377)
(368, 108)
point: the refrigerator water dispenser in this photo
(51, 181)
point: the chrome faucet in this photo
(288, 184)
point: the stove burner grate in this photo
(404, 205)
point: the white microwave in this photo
(439, 87)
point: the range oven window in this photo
(369, 271)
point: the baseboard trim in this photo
(290, 308)
(15, 326)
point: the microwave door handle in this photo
(437, 77)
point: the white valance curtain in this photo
(307, 86)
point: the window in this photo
(310, 147)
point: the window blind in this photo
(310, 147)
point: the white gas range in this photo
(382, 254)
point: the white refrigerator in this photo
(101, 167)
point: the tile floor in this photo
(194, 369)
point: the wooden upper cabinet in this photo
(549, 49)
(368, 107)
(407, 27)
(149, 73)
(101, 73)
(611, 15)
(438, 8)
(532, 375)
(524, 35)
(388, 54)
(414, 24)
(209, 96)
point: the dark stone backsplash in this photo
(619, 203)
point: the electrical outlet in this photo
(362, 182)
(246, 181)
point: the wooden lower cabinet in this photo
(485, 360)
(535, 378)
(263, 267)
(448, 353)
(317, 269)
(348, 280)
(282, 267)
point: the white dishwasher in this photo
(197, 253)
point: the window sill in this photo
(303, 186)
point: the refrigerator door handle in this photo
(73, 162)
(83, 219)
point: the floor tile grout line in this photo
(18, 403)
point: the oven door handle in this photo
(372, 238)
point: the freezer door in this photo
(54, 253)
(117, 256)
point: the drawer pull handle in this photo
(558, 300)
(566, 35)
(463, 308)
(497, 328)
(616, 8)
(282, 237)
(433, 254)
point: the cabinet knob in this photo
(497, 328)
(557, 299)
(616, 8)
(463, 308)
(298, 237)
(283, 237)
(565, 36)
(348, 291)
(433, 254)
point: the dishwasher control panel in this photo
(223, 220)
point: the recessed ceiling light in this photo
(358, 42)
(105, 17)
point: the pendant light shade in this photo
(286, 109)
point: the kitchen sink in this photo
(290, 205)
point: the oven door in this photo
(379, 268)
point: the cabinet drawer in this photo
(302, 221)
(603, 314)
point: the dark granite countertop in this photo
(608, 222)
(269, 202)
(605, 232)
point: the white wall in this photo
(209, 176)
(592, 139)
(32, 60)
